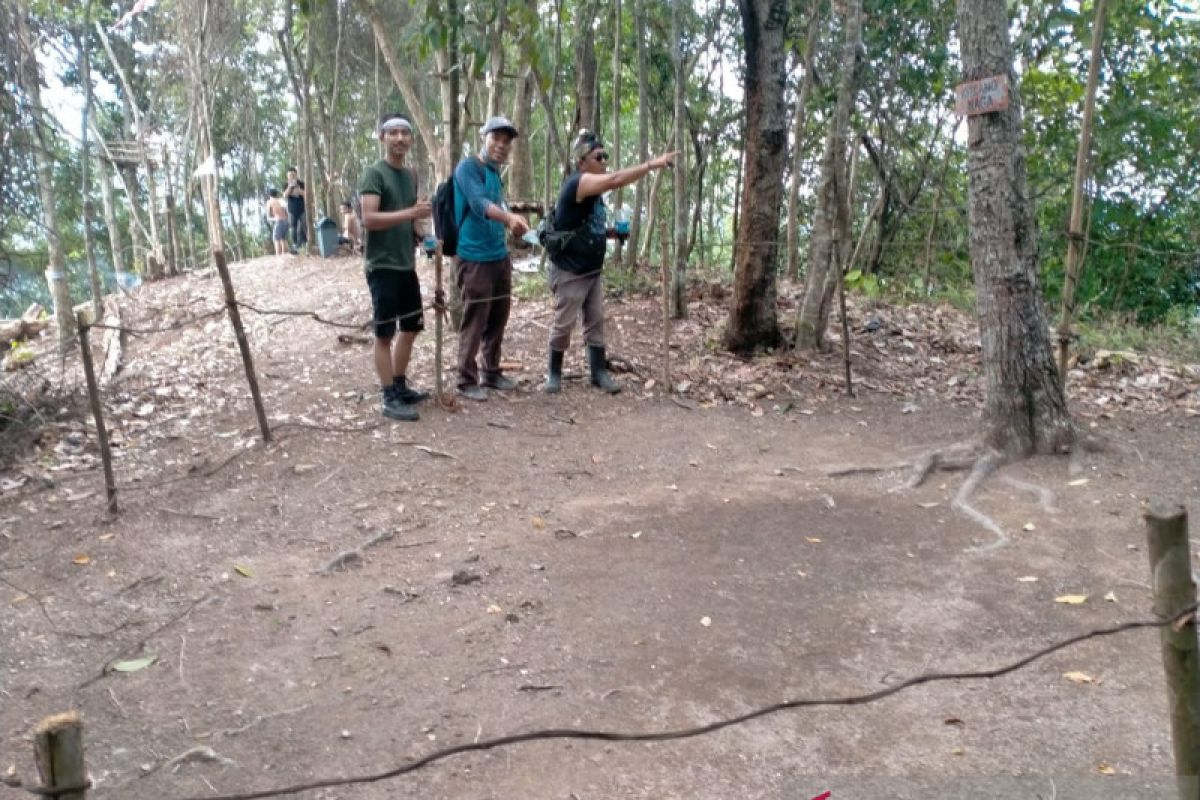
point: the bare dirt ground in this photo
(360, 592)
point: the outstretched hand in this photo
(665, 160)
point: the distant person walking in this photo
(390, 206)
(351, 231)
(575, 278)
(295, 206)
(278, 215)
(484, 270)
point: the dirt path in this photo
(604, 562)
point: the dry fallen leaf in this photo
(1071, 599)
(81, 560)
(1104, 768)
(243, 571)
(1079, 677)
(812, 540)
(1078, 482)
(538, 523)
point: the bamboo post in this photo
(58, 751)
(1075, 236)
(1174, 591)
(86, 318)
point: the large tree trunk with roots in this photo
(823, 254)
(753, 323)
(1025, 411)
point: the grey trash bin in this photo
(327, 237)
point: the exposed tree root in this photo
(973, 455)
(1045, 496)
(985, 465)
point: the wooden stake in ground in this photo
(239, 332)
(86, 318)
(58, 750)
(439, 309)
(1174, 591)
(841, 290)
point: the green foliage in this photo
(530, 286)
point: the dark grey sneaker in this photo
(473, 392)
(395, 408)
(409, 395)
(501, 383)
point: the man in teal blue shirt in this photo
(484, 270)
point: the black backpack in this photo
(445, 227)
(445, 222)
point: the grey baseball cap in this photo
(499, 124)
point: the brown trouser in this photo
(485, 288)
(574, 294)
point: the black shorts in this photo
(395, 293)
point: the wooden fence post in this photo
(1174, 591)
(239, 332)
(58, 751)
(438, 311)
(85, 316)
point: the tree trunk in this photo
(115, 245)
(521, 174)
(1025, 411)
(495, 100)
(85, 162)
(29, 76)
(813, 317)
(425, 125)
(615, 144)
(753, 323)
(1074, 266)
(798, 122)
(679, 273)
(639, 190)
(587, 100)
(155, 257)
(450, 72)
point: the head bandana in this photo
(396, 122)
(585, 143)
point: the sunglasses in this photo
(601, 156)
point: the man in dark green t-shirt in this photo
(389, 207)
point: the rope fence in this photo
(1166, 536)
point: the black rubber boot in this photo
(598, 362)
(554, 374)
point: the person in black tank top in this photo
(575, 277)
